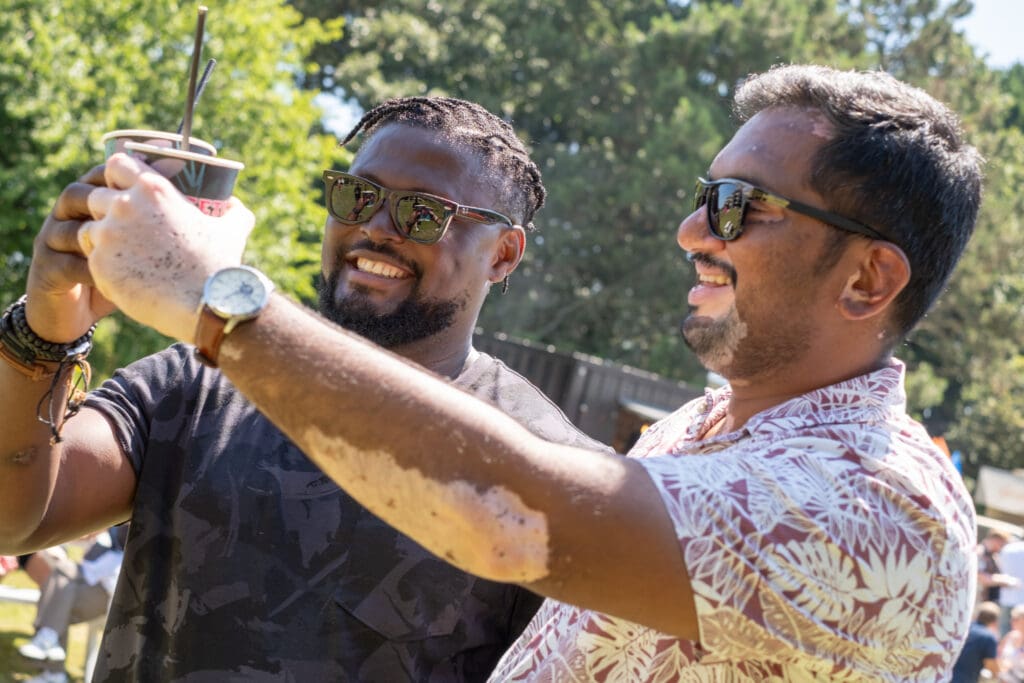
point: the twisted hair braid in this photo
(469, 124)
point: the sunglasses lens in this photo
(726, 205)
(419, 218)
(351, 200)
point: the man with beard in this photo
(794, 525)
(245, 561)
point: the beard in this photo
(729, 346)
(414, 319)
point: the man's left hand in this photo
(150, 250)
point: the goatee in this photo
(414, 319)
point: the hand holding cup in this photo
(149, 250)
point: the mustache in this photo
(704, 259)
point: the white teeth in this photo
(714, 279)
(378, 268)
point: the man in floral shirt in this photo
(795, 525)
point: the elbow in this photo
(16, 531)
(23, 501)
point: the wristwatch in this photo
(230, 296)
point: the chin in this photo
(714, 342)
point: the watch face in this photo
(236, 292)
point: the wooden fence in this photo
(610, 402)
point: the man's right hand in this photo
(62, 301)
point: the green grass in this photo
(16, 629)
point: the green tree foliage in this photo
(73, 71)
(625, 103)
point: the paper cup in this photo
(115, 141)
(206, 181)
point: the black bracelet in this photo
(29, 347)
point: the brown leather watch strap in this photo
(209, 335)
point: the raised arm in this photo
(52, 492)
(458, 476)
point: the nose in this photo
(693, 234)
(381, 227)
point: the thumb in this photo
(239, 216)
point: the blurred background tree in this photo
(623, 103)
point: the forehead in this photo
(407, 157)
(774, 150)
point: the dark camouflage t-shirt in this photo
(246, 563)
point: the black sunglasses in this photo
(727, 201)
(418, 216)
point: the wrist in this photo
(232, 296)
(22, 342)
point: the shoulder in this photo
(489, 379)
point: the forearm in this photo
(460, 477)
(360, 415)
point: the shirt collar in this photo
(874, 396)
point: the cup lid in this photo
(185, 155)
(155, 135)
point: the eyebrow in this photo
(376, 180)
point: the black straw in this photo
(199, 88)
(186, 124)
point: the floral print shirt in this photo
(828, 539)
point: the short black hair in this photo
(483, 133)
(897, 161)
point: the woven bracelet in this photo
(29, 353)
(19, 339)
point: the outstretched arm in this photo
(462, 478)
(455, 474)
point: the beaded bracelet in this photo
(18, 337)
(34, 357)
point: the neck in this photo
(445, 357)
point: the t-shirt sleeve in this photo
(493, 381)
(991, 649)
(131, 398)
(804, 548)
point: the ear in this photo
(507, 252)
(882, 272)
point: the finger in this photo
(239, 213)
(94, 176)
(121, 171)
(99, 200)
(60, 236)
(73, 202)
(73, 268)
(85, 238)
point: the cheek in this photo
(328, 257)
(335, 235)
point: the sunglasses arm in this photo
(476, 215)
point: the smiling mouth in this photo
(379, 268)
(719, 280)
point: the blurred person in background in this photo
(73, 593)
(1011, 561)
(980, 650)
(1011, 648)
